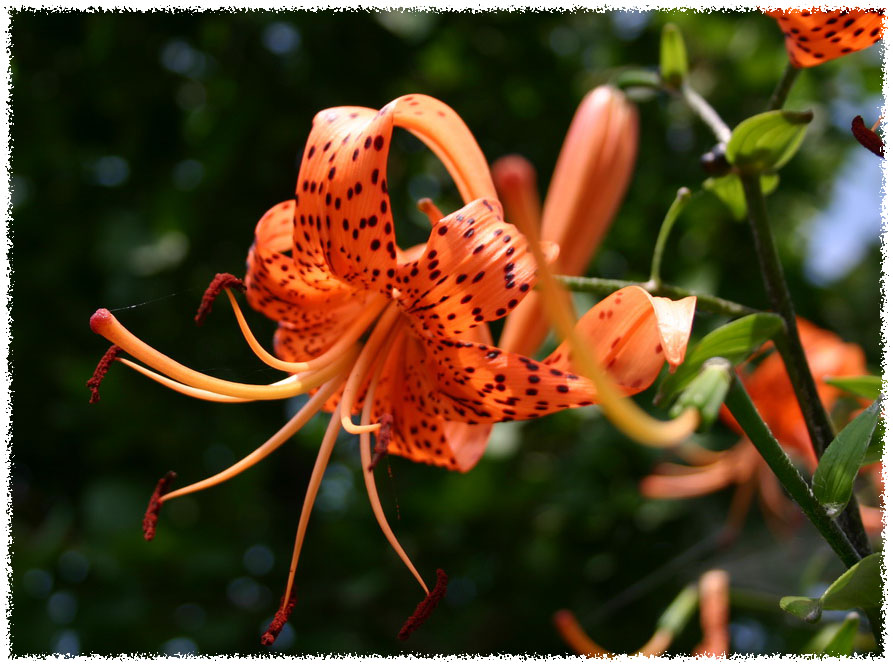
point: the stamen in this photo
(360, 370)
(150, 520)
(867, 137)
(105, 324)
(369, 478)
(319, 468)
(279, 620)
(220, 282)
(351, 335)
(425, 607)
(201, 394)
(430, 209)
(294, 424)
(382, 438)
(99, 373)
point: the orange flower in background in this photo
(326, 266)
(814, 37)
(590, 180)
(772, 394)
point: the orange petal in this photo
(631, 334)
(812, 37)
(475, 268)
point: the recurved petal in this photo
(631, 334)
(812, 37)
(475, 268)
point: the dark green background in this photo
(208, 121)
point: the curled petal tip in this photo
(513, 171)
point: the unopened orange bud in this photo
(589, 182)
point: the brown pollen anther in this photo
(279, 620)
(220, 282)
(101, 369)
(425, 607)
(150, 519)
(382, 439)
(867, 137)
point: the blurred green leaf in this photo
(735, 341)
(679, 612)
(673, 59)
(706, 392)
(865, 386)
(807, 609)
(637, 78)
(843, 640)
(833, 479)
(729, 190)
(767, 140)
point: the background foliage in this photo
(145, 148)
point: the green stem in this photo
(789, 345)
(682, 197)
(747, 416)
(604, 287)
(784, 87)
(706, 113)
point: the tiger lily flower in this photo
(813, 37)
(591, 177)
(426, 379)
(772, 394)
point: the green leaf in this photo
(875, 451)
(735, 341)
(673, 59)
(837, 639)
(834, 477)
(859, 587)
(706, 392)
(865, 386)
(767, 141)
(729, 190)
(637, 78)
(807, 609)
(680, 610)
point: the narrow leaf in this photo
(875, 451)
(767, 141)
(680, 610)
(859, 587)
(866, 386)
(735, 341)
(807, 609)
(673, 59)
(706, 392)
(834, 477)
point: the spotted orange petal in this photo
(475, 268)
(632, 334)
(343, 215)
(813, 37)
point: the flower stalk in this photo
(780, 94)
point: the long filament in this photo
(105, 324)
(351, 335)
(292, 426)
(369, 477)
(361, 370)
(319, 468)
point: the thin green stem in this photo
(706, 113)
(604, 287)
(747, 416)
(784, 87)
(682, 197)
(789, 345)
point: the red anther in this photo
(382, 439)
(101, 369)
(279, 620)
(150, 520)
(425, 607)
(220, 282)
(866, 137)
